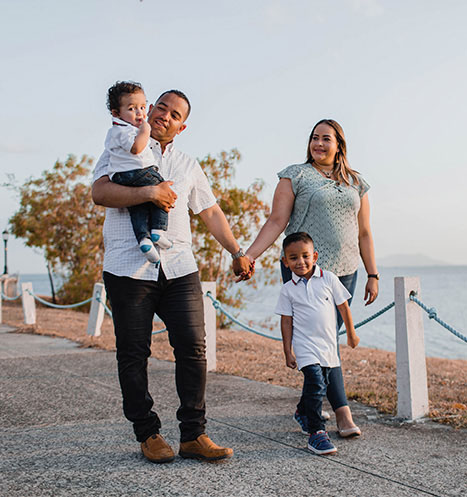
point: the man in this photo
(137, 289)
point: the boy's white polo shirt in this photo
(312, 306)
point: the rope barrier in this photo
(106, 309)
(433, 315)
(58, 306)
(374, 316)
(10, 298)
(218, 306)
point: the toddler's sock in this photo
(158, 237)
(147, 247)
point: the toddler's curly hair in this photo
(115, 92)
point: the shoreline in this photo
(369, 374)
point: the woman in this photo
(327, 199)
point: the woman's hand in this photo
(371, 290)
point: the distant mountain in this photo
(402, 260)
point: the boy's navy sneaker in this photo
(320, 444)
(302, 420)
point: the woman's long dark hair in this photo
(342, 171)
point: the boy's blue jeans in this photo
(315, 382)
(144, 217)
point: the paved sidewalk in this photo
(63, 434)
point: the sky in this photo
(259, 74)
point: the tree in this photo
(246, 213)
(57, 214)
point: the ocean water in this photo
(442, 287)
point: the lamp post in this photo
(5, 241)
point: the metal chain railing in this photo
(433, 315)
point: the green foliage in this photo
(245, 213)
(57, 215)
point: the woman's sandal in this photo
(349, 432)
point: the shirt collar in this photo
(154, 143)
(317, 273)
(120, 122)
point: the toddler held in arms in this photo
(131, 163)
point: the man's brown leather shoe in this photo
(156, 449)
(204, 448)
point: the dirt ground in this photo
(369, 374)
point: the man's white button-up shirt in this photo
(312, 307)
(122, 254)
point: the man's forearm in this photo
(218, 226)
(109, 194)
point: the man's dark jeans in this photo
(179, 303)
(144, 217)
(315, 382)
(336, 390)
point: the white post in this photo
(412, 389)
(29, 304)
(210, 323)
(96, 314)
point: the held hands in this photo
(244, 268)
(371, 290)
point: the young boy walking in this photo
(307, 306)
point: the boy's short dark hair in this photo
(120, 88)
(179, 94)
(300, 236)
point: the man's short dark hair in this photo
(120, 88)
(300, 236)
(179, 94)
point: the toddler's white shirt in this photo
(118, 142)
(312, 307)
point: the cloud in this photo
(284, 14)
(17, 149)
(277, 14)
(369, 8)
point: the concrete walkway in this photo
(63, 434)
